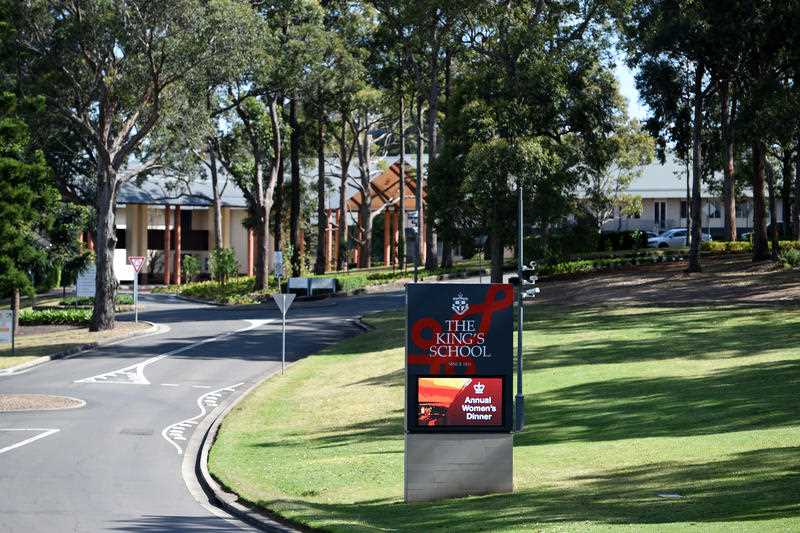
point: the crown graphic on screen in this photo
(479, 387)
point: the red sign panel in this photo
(136, 262)
(459, 402)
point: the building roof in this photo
(161, 189)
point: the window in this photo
(684, 209)
(713, 210)
(743, 209)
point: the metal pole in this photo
(283, 344)
(520, 400)
(14, 331)
(136, 298)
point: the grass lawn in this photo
(49, 340)
(639, 418)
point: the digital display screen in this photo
(459, 401)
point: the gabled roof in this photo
(161, 189)
(385, 190)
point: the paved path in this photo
(115, 463)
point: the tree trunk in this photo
(796, 210)
(760, 249)
(262, 251)
(786, 193)
(294, 212)
(420, 186)
(447, 254)
(431, 258)
(344, 161)
(496, 250)
(106, 241)
(773, 216)
(319, 263)
(217, 198)
(278, 204)
(402, 240)
(694, 245)
(728, 188)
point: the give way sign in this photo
(136, 262)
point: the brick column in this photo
(167, 243)
(177, 274)
(387, 236)
(339, 220)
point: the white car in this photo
(673, 238)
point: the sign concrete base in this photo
(457, 464)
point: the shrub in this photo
(88, 301)
(791, 258)
(223, 264)
(191, 267)
(55, 317)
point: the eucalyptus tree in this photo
(113, 73)
(426, 32)
(537, 73)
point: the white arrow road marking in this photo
(176, 431)
(134, 374)
(44, 433)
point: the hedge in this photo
(736, 247)
(55, 317)
(120, 299)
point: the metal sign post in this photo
(136, 262)
(283, 301)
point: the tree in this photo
(618, 160)
(114, 73)
(27, 200)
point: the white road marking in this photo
(170, 385)
(201, 386)
(175, 432)
(134, 374)
(44, 433)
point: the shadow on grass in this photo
(743, 398)
(755, 485)
(653, 335)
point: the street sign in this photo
(277, 263)
(6, 326)
(85, 284)
(136, 262)
(283, 301)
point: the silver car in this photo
(673, 238)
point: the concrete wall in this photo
(459, 464)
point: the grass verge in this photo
(29, 347)
(625, 408)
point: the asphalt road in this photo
(115, 463)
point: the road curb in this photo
(202, 484)
(77, 350)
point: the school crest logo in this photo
(460, 304)
(479, 387)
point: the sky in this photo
(627, 87)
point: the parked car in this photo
(673, 238)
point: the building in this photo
(662, 189)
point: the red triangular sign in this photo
(136, 262)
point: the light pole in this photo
(519, 404)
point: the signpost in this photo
(7, 332)
(85, 284)
(283, 301)
(136, 261)
(278, 265)
(459, 380)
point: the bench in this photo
(309, 285)
(322, 284)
